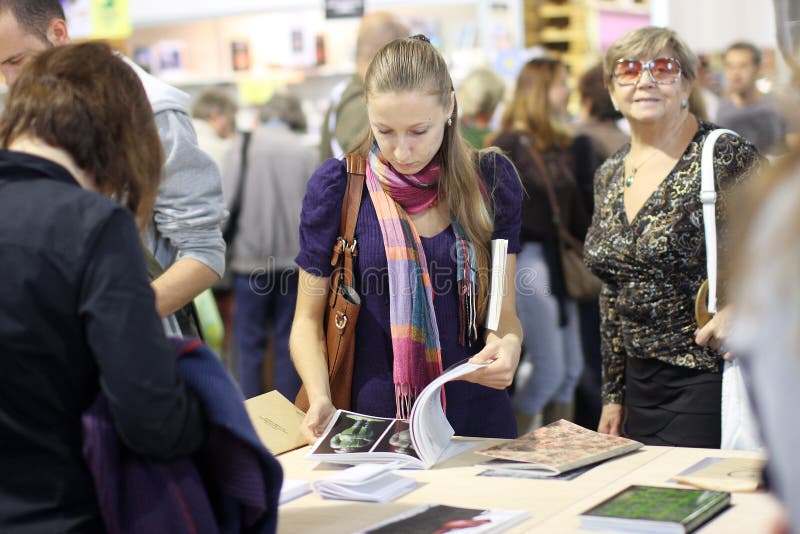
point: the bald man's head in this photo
(377, 29)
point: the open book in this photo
(352, 438)
(557, 448)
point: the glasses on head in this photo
(662, 70)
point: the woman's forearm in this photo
(309, 354)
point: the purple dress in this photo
(473, 410)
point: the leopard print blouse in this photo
(652, 266)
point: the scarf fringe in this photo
(404, 395)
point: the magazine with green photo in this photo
(655, 510)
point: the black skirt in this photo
(671, 405)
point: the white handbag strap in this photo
(708, 196)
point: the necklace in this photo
(635, 168)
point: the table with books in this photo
(552, 505)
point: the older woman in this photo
(660, 375)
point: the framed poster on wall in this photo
(337, 9)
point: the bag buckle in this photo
(708, 197)
(340, 320)
(344, 245)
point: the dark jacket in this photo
(537, 214)
(563, 164)
(77, 315)
(231, 484)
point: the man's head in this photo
(287, 109)
(83, 100)
(742, 63)
(376, 29)
(28, 27)
(217, 109)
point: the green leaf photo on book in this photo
(656, 510)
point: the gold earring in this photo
(450, 121)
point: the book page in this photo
(430, 429)
(355, 438)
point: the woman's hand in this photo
(611, 420)
(504, 354)
(713, 334)
(317, 418)
(504, 345)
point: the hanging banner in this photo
(98, 19)
(338, 9)
(79, 17)
(111, 19)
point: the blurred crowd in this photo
(650, 212)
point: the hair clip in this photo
(421, 37)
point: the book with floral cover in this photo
(557, 448)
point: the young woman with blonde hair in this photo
(430, 207)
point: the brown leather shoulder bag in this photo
(343, 300)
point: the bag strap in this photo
(708, 196)
(563, 233)
(346, 245)
(337, 104)
(236, 206)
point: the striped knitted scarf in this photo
(415, 334)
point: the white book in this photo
(293, 489)
(421, 441)
(440, 518)
(497, 285)
(366, 482)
